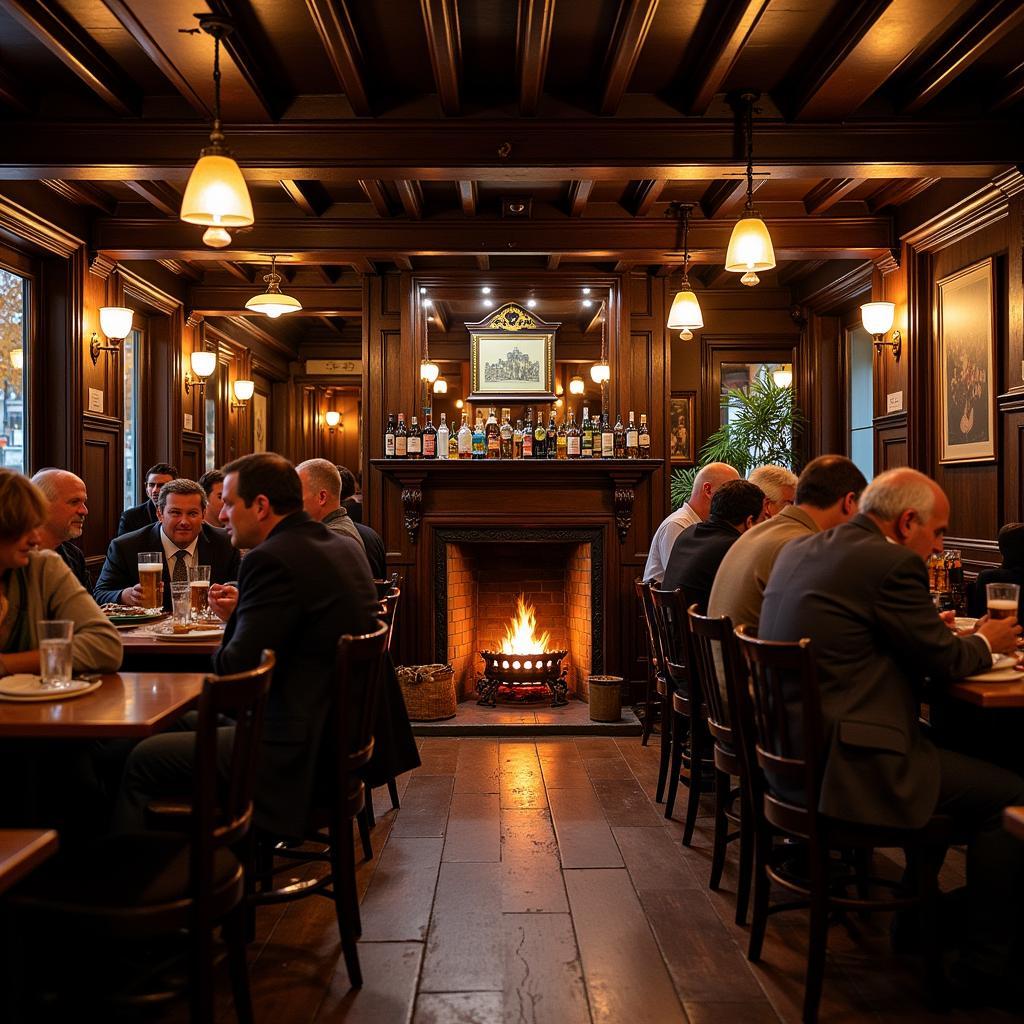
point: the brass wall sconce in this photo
(116, 324)
(877, 318)
(203, 364)
(243, 390)
(333, 419)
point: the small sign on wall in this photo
(348, 367)
(95, 400)
(188, 421)
(894, 402)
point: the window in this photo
(131, 348)
(210, 428)
(861, 442)
(14, 365)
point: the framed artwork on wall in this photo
(965, 321)
(259, 422)
(680, 427)
(512, 357)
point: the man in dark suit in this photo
(181, 535)
(69, 505)
(300, 588)
(374, 544)
(351, 494)
(859, 591)
(138, 516)
(698, 551)
(1011, 547)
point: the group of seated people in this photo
(842, 562)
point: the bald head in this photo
(68, 503)
(706, 482)
(909, 508)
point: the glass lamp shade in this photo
(459, 403)
(332, 418)
(216, 194)
(750, 247)
(17, 358)
(216, 238)
(783, 377)
(577, 386)
(600, 373)
(243, 389)
(440, 386)
(273, 303)
(203, 363)
(877, 317)
(116, 322)
(429, 371)
(685, 315)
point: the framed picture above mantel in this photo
(512, 357)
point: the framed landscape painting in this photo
(965, 321)
(680, 427)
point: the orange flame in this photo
(519, 634)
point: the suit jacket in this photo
(864, 604)
(1003, 574)
(121, 568)
(696, 556)
(136, 517)
(299, 591)
(75, 561)
(374, 545)
(354, 506)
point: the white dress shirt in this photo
(664, 539)
(171, 550)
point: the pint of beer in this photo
(1003, 599)
(199, 589)
(151, 574)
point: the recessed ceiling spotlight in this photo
(486, 290)
(423, 291)
(586, 291)
(486, 303)
(531, 303)
(588, 303)
(428, 302)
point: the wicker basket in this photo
(605, 698)
(429, 691)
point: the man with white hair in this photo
(860, 593)
(779, 486)
(69, 505)
(321, 497)
(694, 510)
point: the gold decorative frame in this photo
(531, 338)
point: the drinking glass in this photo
(55, 652)
(199, 586)
(181, 602)
(1002, 600)
(151, 574)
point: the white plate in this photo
(1004, 661)
(195, 634)
(25, 687)
(965, 623)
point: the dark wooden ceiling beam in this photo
(579, 193)
(554, 259)
(895, 193)
(74, 47)
(341, 44)
(81, 193)
(411, 197)
(483, 261)
(632, 23)
(375, 191)
(441, 316)
(182, 268)
(236, 270)
(468, 197)
(827, 193)
(965, 43)
(361, 265)
(159, 194)
(1013, 89)
(309, 196)
(329, 274)
(444, 44)
(317, 300)
(797, 270)
(533, 44)
(718, 277)
(15, 95)
(718, 194)
(402, 262)
(644, 194)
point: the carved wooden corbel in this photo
(412, 503)
(624, 499)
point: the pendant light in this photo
(216, 195)
(601, 373)
(750, 247)
(273, 301)
(685, 315)
(428, 371)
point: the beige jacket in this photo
(54, 593)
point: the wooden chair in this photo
(779, 721)
(139, 886)
(718, 666)
(655, 690)
(360, 661)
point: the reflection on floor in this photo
(528, 720)
(535, 880)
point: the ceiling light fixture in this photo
(216, 195)
(750, 247)
(577, 386)
(273, 301)
(216, 238)
(783, 376)
(429, 371)
(531, 303)
(685, 315)
(243, 390)
(203, 364)
(440, 386)
(485, 290)
(116, 324)
(601, 373)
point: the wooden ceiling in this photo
(379, 133)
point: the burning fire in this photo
(519, 634)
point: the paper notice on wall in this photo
(188, 421)
(894, 402)
(95, 400)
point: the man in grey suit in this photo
(860, 593)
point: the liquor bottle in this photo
(442, 438)
(401, 438)
(465, 439)
(644, 438)
(586, 436)
(453, 441)
(430, 439)
(528, 435)
(572, 438)
(389, 437)
(632, 439)
(517, 440)
(619, 437)
(552, 449)
(505, 435)
(540, 438)
(562, 438)
(493, 436)
(479, 438)
(415, 450)
(607, 439)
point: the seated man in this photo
(696, 509)
(181, 535)
(299, 590)
(69, 505)
(351, 494)
(698, 551)
(779, 486)
(213, 483)
(1011, 547)
(138, 516)
(860, 593)
(321, 497)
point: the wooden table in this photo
(995, 694)
(1013, 821)
(21, 850)
(134, 704)
(148, 644)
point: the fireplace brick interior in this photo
(484, 582)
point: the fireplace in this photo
(481, 573)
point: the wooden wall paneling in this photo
(1011, 414)
(1013, 372)
(192, 463)
(101, 469)
(891, 451)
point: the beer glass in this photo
(1003, 599)
(151, 575)
(199, 589)
(55, 652)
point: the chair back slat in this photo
(643, 594)
(360, 661)
(388, 612)
(673, 630)
(712, 643)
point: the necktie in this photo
(180, 574)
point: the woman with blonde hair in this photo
(36, 585)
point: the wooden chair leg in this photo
(396, 804)
(201, 972)
(371, 818)
(722, 791)
(746, 860)
(675, 761)
(762, 893)
(235, 926)
(936, 994)
(666, 749)
(696, 782)
(650, 695)
(362, 819)
(817, 941)
(343, 867)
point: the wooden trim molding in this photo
(841, 291)
(23, 223)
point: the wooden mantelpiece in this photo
(419, 477)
